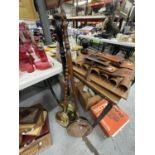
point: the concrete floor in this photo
(122, 144)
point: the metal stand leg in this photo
(45, 83)
(51, 89)
(116, 50)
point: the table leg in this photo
(116, 50)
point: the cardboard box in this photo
(115, 119)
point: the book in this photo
(115, 119)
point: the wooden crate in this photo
(85, 98)
(37, 146)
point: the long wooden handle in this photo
(66, 88)
(67, 47)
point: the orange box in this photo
(115, 119)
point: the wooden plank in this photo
(102, 83)
(103, 92)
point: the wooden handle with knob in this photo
(68, 54)
(66, 88)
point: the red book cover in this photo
(115, 119)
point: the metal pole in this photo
(44, 21)
(77, 12)
(86, 11)
(86, 8)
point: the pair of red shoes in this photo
(30, 65)
(27, 59)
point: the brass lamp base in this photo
(62, 118)
(65, 118)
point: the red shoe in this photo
(42, 65)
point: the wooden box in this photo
(36, 141)
(85, 98)
(37, 146)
